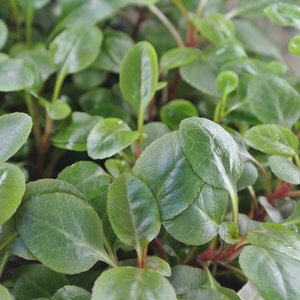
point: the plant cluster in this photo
(148, 150)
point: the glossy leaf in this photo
(58, 110)
(284, 14)
(132, 211)
(132, 283)
(139, 75)
(37, 281)
(62, 232)
(169, 175)
(215, 27)
(294, 218)
(12, 187)
(284, 169)
(73, 134)
(274, 100)
(229, 232)
(75, 49)
(272, 139)
(15, 75)
(227, 81)
(109, 137)
(71, 292)
(212, 152)
(272, 260)
(4, 293)
(3, 33)
(178, 57)
(18, 123)
(248, 177)
(294, 45)
(158, 265)
(116, 167)
(177, 110)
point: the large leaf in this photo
(272, 139)
(109, 137)
(12, 187)
(132, 211)
(15, 75)
(169, 175)
(139, 75)
(272, 261)
(274, 100)
(14, 131)
(75, 49)
(132, 283)
(212, 152)
(37, 281)
(61, 231)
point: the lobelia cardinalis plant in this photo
(148, 150)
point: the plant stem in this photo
(230, 267)
(4, 262)
(235, 206)
(28, 25)
(167, 24)
(200, 8)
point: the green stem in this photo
(230, 267)
(190, 254)
(235, 206)
(4, 261)
(167, 24)
(28, 25)
(297, 160)
(111, 253)
(211, 280)
(200, 8)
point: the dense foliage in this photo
(148, 150)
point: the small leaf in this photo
(71, 292)
(58, 110)
(14, 131)
(12, 187)
(116, 167)
(284, 14)
(158, 265)
(229, 232)
(75, 49)
(132, 283)
(4, 293)
(272, 139)
(3, 33)
(227, 81)
(109, 137)
(132, 211)
(15, 75)
(284, 169)
(294, 218)
(248, 176)
(139, 75)
(294, 45)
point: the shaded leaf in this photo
(58, 110)
(3, 33)
(71, 292)
(4, 293)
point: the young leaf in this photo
(227, 81)
(284, 14)
(62, 231)
(20, 125)
(274, 100)
(12, 187)
(58, 110)
(294, 45)
(139, 75)
(75, 49)
(272, 139)
(229, 232)
(132, 283)
(15, 75)
(71, 292)
(158, 265)
(109, 137)
(284, 169)
(132, 211)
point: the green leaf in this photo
(116, 167)
(89, 78)
(4, 293)
(109, 137)
(37, 281)
(115, 45)
(272, 139)
(248, 176)
(139, 75)
(75, 49)
(132, 283)
(177, 110)
(274, 100)
(229, 232)
(284, 14)
(272, 261)
(158, 265)
(72, 134)
(284, 169)
(58, 110)
(3, 33)
(294, 218)
(212, 152)
(294, 45)
(178, 57)
(62, 231)
(12, 187)
(132, 211)
(71, 292)
(14, 131)
(169, 175)
(215, 27)
(227, 81)
(15, 75)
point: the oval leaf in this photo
(132, 211)
(4, 293)
(139, 75)
(294, 45)
(58, 110)
(132, 283)
(109, 137)
(71, 292)
(227, 81)
(20, 125)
